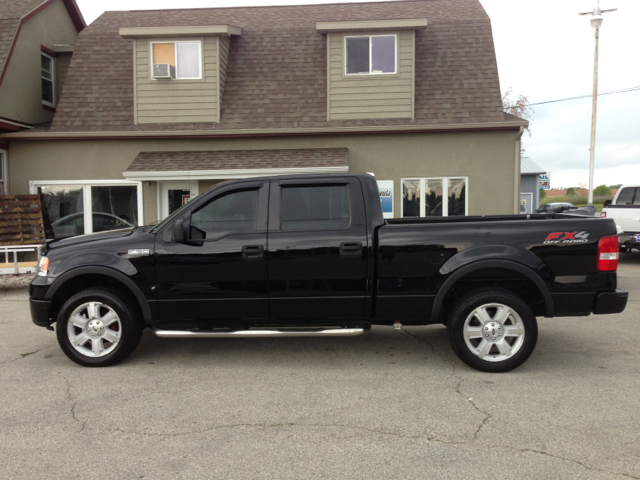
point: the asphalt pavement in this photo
(385, 405)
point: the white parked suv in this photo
(625, 211)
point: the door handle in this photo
(252, 252)
(351, 249)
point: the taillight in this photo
(603, 214)
(608, 254)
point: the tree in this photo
(602, 191)
(518, 107)
(571, 191)
(543, 194)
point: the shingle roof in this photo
(239, 159)
(276, 76)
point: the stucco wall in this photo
(487, 158)
(21, 90)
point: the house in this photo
(530, 173)
(158, 106)
(36, 42)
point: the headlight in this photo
(43, 267)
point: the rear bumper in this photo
(40, 312)
(610, 302)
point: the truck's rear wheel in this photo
(492, 330)
(98, 327)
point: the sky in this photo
(545, 52)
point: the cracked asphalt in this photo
(383, 405)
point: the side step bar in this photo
(329, 332)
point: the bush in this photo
(543, 194)
(571, 191)
(602, 191)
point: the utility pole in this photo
(596, 23)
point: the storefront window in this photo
(69, 210)
(411, 198)
(434, 197)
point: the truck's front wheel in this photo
(98, 327)
(492, 330)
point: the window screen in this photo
(232, 213)
(315, 208)
(358, 55)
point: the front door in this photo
(172, 195)
(218, 277)
(318, 252)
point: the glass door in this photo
(175, 194)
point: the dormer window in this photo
(48, 78)
(184, 57)
(371, 55)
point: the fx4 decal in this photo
(567, 238)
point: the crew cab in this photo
(625, 211)
(313, 256)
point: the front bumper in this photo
(40, 312)
(610, 302)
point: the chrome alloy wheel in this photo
(94, 329)
(494, 332)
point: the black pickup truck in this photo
(312, 255)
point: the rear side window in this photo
(231, 213)
(628, 196)
(315, 208)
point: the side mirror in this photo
(607, 203)
(177, 232)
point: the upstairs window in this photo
(371, 55)
(185, 57)
(3, 174)
(48, 80)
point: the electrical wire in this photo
(622, 90)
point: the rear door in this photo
(317, 250)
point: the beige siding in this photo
(176, 101)
(64, 59)
(224, 60)
(370, 96)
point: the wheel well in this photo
(82, 282)
(515, 282)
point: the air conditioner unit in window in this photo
(163, 70)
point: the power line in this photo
(622, 90)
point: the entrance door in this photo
(526, 199)
(172, 195)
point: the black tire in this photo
(118, 339)
(484, 347)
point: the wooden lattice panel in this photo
(21, 220)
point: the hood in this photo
(90, 238)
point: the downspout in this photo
(516, 175)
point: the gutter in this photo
(266, 132)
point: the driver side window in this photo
(234, 212)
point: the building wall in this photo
(486, 158)
(370, 96)
(21, 90)
(176, 101)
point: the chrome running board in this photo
(329, 332)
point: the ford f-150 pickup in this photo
(312, 255)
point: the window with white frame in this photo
(371, 54)
(71, 208)
(435, 197)
(4, 175)
(185, 56)
(47, 73)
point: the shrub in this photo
(602, 191)
(543, 194)
(571, 191)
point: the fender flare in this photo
(108, 272)
(487, 264)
